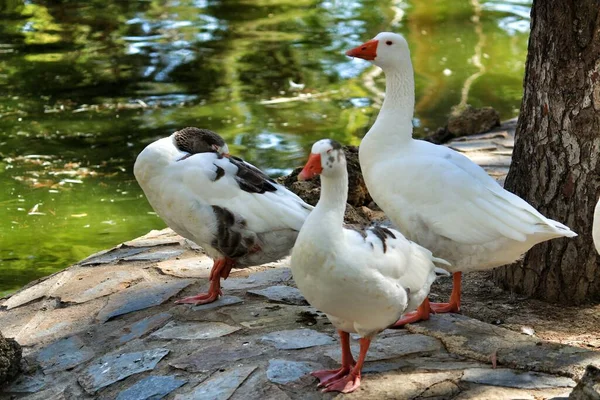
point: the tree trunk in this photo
(555, 163)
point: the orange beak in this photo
(312, 168)
(366, 51)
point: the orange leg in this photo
(329, 375)
(454, 305)
(422, 314)
(220, 269)
(351, 381)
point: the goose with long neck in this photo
(438, 197)
(230, 208)
(364, 279)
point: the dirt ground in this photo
(483, 300)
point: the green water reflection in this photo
(86, 85)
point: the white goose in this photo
(434, 195)
(230, 208)
(363, 279)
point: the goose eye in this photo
(389, 42)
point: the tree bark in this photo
(555, 163)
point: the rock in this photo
(217, 355)
(440, 136)
(220, 302)
(220, 386)
(64, 354)
(477, 340)
(197, 267)
(273, 276)
(284, 371)
(309, 191)
(115, 367)
(113, 255)
(143, 326)
(258, 387)
(470, 121)
(194, 330)
(155, 256)
(140, 296)
(156, 238)
(296, 339)
(588, 387)
(38, 290)
(392, 347)
(472, 145)
(515, 379)
(441, 390)
(281, 294)
(151, 388)
(10, 359)
(28, 384)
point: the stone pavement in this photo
(107, 328)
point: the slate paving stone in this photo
(218, 355)
(475, 145)
(220, 386)
(143, 326)
(285, 371)
(392, 347)
(155, 256)
(477, 340)
(91, 283)
(151, 388)
(258, 387)
(281, 294)
(221, 302)
(297, 339)
(141, 296)
(194, 330)
(37, 291)
(515, 379)
(64, 354)
(269, 277)
(112, 368)
(28, 384)
(197, 267)
(156, 238)
(114, 255)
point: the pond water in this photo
(86, 85)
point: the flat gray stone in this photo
(477, 340)
(508, 143)
(284, 371)
(37, 291)
(217, 355)
(269, 277)
(141, 296)
(515, 379)
(27, 384)
(194, 330)
(221, 302)
(87, 284)
(220, 386)
(64, 354)
(392, 347)
(475, 145)
(589, 385)
(115, 367)
(114, 255)
(281, 294)
(143, 326)
(155, 256)
(296, 339)
(151, 388)
(197, 267)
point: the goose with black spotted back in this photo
(230, 208)
(363, 279)
(436, 196)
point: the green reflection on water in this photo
(88, 84)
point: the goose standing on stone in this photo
(230, 208)
(363, 279)
(436, 196)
